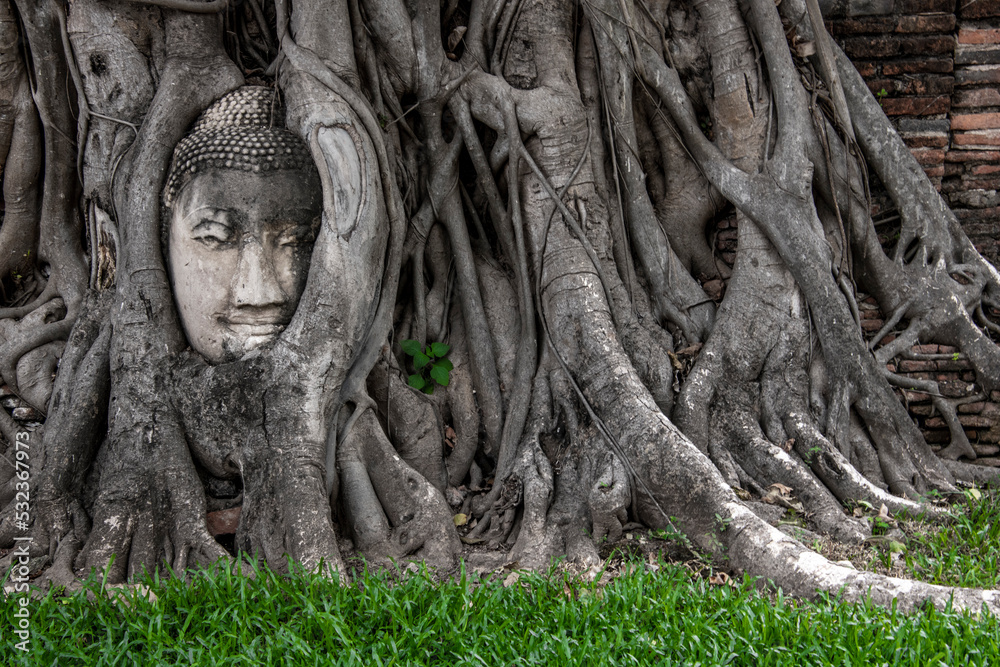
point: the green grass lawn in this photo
(662, 617)
(962, 552)
(656, 614)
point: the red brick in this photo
(865, 68)
(978, 221)
(871, 326)
(925, 23)
(224, 522)
(924, 84)
(985, 169)
(916, 106)
(955, 388)
(936, 171)
(983, 74)
(978, 9)
(993, 435)
(864, 24)
(930, 348)
(972, 408)
(923, 65)
(985, 450)
(971, 156)
(975, 121)
(975, 421)
(991, 409)
(914, 365)
(977, 55)
(979, 36)
(886, 47)
(926, 156)
(878, 25)
(969, 421)
(937, 437)
(978, 184)
(926, 140)
(983, 138)
(916, 397)
(925, 6)
(978, 97)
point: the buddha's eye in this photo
(298, 235)
(212, 233)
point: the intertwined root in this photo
(561, 269)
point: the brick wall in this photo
(935, 65)
(978, 412)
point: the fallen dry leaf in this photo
(456, 36)
(719, 579)
(690, 350)
(675, 362)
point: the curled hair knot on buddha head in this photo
(243, 130)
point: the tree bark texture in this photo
(515, 330)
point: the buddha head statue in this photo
(243, 202)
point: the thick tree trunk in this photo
(517, 205)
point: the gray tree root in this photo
(530, 183)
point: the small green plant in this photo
(879, 525)
(430, 365)
(880, 95)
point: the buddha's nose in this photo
(256, 281)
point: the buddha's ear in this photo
(343, 178)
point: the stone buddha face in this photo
(243, 204)
(238, 250)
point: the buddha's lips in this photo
(255, 329)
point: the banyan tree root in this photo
(530, 184)
(45, 133)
